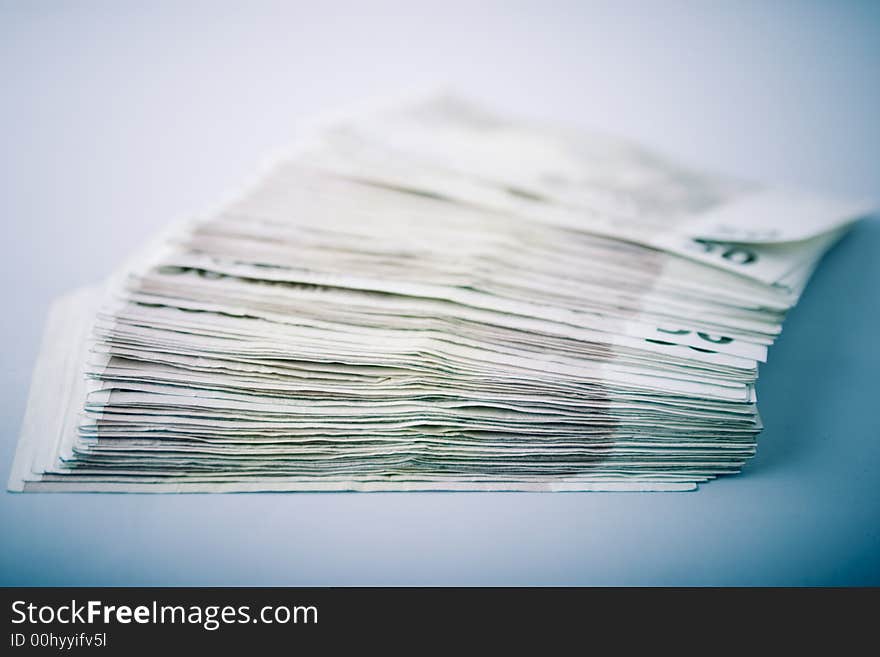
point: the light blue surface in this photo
(116, 120)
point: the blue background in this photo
(117, 118)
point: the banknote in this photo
(431, 296)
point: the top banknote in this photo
(443, 145)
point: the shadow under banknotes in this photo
(826, 343)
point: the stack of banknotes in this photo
(424, 295)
